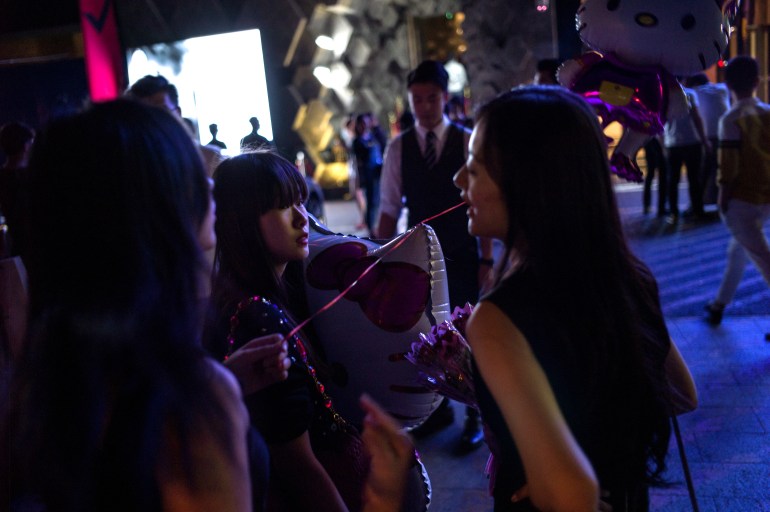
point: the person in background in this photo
(455, 111)
(368, 153)
(686, 143)
(254, 140)
(744, 181)
(314, 203)
(262, 232)
(213, 129)
(15, 142)
(381, 137)
(656, 164)
(113, 392)
(377, 132)
(574, 370)
(417, 173)
(713, 102)
(347, 134)
(405, 120)
(545, 73)
(157, 91)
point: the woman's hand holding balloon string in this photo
(260, 362)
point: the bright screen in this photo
(220, 79)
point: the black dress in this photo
(559, 354)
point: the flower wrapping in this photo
(443, 358)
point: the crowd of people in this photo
(160, 368)
(116, 404)
(690, 141)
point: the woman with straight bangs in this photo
(317, 459)
(115, 405)
(576, 373)
(262, 240)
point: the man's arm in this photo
(390, 191)
(728, 158)
(700, 129)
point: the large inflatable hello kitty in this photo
(640, 46)
(366, 335)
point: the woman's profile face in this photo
(285, 231)
(487, 211)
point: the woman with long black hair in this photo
(576, 373)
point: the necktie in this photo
(430, 149)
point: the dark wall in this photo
(36, 93)
(45, 86)
(31, 15)
(569, 43)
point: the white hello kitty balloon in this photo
(366, 335)
(639, 47)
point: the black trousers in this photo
(656, 163)
(692, 157)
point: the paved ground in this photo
(727, 439)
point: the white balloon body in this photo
(366, 352)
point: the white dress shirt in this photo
(391, 189)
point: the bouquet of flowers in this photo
(443, 358)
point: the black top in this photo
(285, 410)
(590, 416)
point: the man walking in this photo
(743, 179)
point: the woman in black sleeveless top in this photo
(576, 374)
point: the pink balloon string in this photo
(368, 269)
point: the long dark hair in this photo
(246, 187)
(544, 148)
(113, 367)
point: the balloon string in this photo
(344, 292)
(442, 213)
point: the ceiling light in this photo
(325, 42)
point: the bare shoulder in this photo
(487, 320)
(223, 379)
(494, 337)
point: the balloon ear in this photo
(366, 334)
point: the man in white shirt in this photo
(744, 181)
(713, 102)
(417, 173)
(685, 141)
